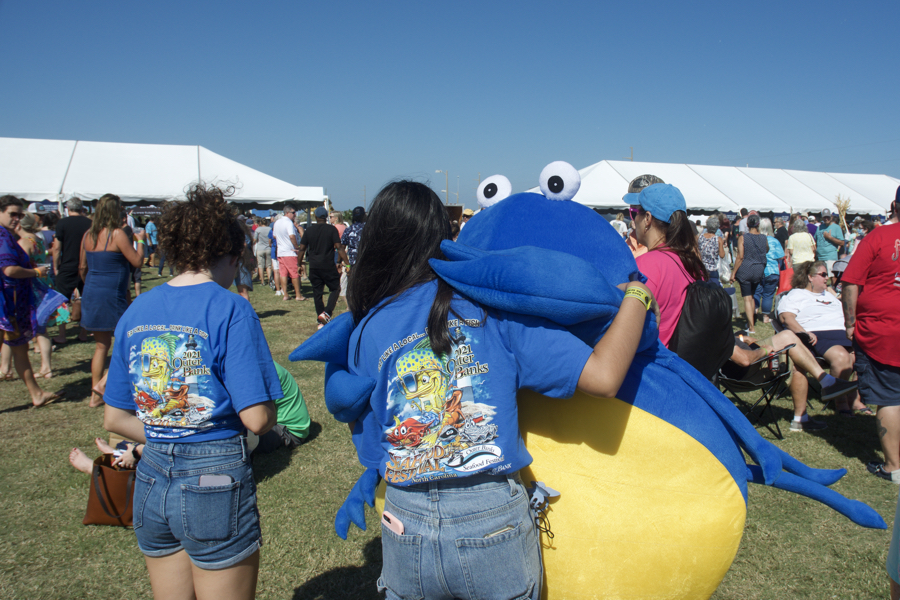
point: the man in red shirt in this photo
(871, 294)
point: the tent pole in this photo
(198, 164)
(59, 194)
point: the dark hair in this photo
(744, 212)
(404, 228)
(682, 240)
(802, 272)
(753, 221)
(868, 225)
(8, 200)
(50, 219)
(195, 233)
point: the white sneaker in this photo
(279, 293)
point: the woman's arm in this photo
(740, 257)
(17, 272)
(123, 422)
(259, 418)
(134, 257)
(721, 247)
(607, 366)
(82, 257)
(790, 321)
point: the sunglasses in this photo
(633, 212)
(822, 274)
(17, 215)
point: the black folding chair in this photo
(758, 376)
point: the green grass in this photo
(792, 547)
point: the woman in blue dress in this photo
(107, 256)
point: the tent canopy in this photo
(728, 189)
(61, 169)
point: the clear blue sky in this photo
(351, 94)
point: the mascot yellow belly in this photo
(645, 510)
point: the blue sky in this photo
(348, 95)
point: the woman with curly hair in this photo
(190, 373)
(107, 256)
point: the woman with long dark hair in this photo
(106, 257)
(447, 373)
(673, 260)
(190, 373)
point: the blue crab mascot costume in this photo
(611, 527)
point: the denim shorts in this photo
(879, 384)
(470, 538)
(218, 526)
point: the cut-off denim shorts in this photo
(218, 526)
(470, 538)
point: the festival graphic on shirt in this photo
(170, 379)
(439, 429)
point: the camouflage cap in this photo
(637, 184)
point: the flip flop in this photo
(865, 411)
(8, 377)
(47, 375)
(58, 395)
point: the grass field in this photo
(792, 547)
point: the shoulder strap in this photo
(99, 492)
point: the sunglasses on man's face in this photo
(16, 215)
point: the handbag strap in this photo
(96, 477)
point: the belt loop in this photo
(243, 449)
(512, 485)
(433, 491)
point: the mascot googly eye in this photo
(560, 181)
(492, 190)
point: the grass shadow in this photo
(272, 313)
(347, 583)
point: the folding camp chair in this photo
(758, 376)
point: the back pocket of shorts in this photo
(401, 564)
(209, 513)
(142, 486)
(496, 566)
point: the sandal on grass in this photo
(8, 376)
(865, 411)
(53, 398)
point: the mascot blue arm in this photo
(506, 259)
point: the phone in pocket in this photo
(215, 480)
(392, 522)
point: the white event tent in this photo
(62, 169)
(728, 189)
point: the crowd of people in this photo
(191, 373)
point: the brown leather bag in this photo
(111, 495)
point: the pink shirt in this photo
(668, 280)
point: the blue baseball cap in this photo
(661, 200)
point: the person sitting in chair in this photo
(747, 351)
(814, 313)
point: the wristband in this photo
(640, 294)
(134, 452)
(141, 242)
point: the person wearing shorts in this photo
(871, 299)
(189, 375)
(286, 235)
(814, 313)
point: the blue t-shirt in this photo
(437, 417)
(775, 253)
(151, 232)
(188, 360)
(825, 250)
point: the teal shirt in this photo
(291, 409)
(825, 250)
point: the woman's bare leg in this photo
(43, 343)
(23, 367)
(234, 583)
(171, 576)
(5, 360)
(103, 340)
(750, 309)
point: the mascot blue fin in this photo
(346, 395)
(329, 344)
(856, 511)
(353, 509)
